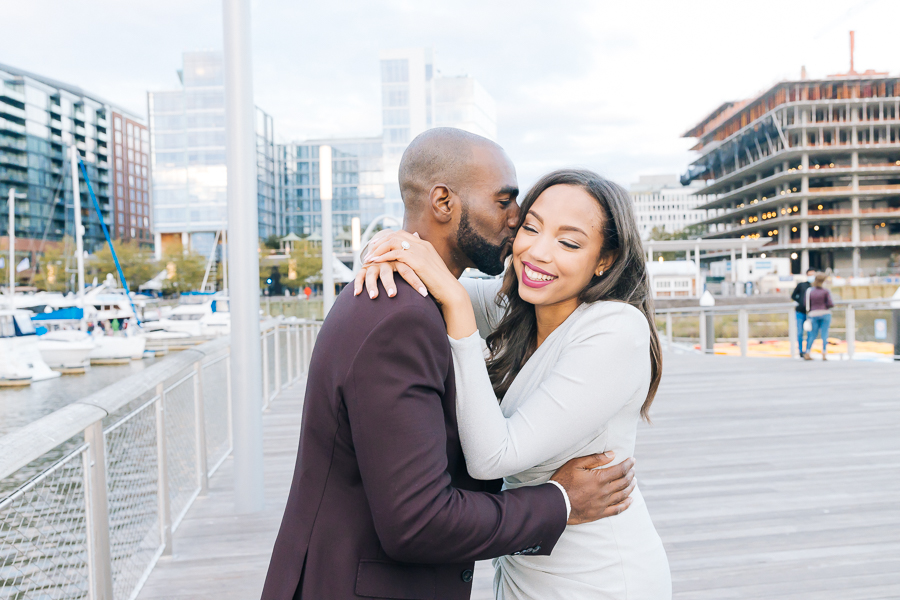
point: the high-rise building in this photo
(40, 118)
(187, 128)
(660, 201)
(357, 188)
(811, 164)
(415, 97)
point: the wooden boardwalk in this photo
(766, 478)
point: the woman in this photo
(818, 310)
(575, 361)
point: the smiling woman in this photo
(577, 242)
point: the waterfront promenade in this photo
(766, 478)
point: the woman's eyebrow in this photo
(572, 228)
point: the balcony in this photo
(11, 126)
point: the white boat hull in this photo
(26, 349)
(117, 348)
(66, 350)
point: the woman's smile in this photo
(534, 277)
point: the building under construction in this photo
(812, 164)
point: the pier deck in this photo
(766, 478)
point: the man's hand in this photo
(595, 494)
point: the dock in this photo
(766, 478)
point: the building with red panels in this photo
(811, 164)
(130, 185)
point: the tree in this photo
(184, 272)
(659, 233)
(304, 264)
(51, 273)
(138, 264)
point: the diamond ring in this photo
(405, 245)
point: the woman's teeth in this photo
(535, 276)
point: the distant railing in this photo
(92, 493)
(845, 322)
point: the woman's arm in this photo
(601, 368)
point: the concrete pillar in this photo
(243, 236)
(856, 272)
(157, 246)
(854, 233)
(804, 261)
(854, 160)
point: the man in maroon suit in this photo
(381, 505)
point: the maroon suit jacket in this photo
(381, 505)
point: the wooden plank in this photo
(766, 478)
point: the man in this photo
(799, 296)
(381, 505)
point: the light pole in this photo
(79, 228)
(325, 194)
(243, 238)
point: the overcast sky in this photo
(601, 84)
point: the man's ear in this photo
(443, 202)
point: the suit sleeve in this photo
(393, 396)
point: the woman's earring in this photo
(600, 273)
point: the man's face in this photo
(489, 211)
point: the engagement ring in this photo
(404, 244)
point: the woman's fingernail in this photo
(371, 294)
(391, 292)
(356, 291)
(367, 258)
(423, 291)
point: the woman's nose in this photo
(541, 249)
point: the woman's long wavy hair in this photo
(626, 280)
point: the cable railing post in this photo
(703, 340)
(743, 330)
(306, 336)
(850, 330)
(287, 348)
(669, 329)
(298, 334)
(228, 399)
(276, 345)
(200, 430)
(164, 509)
(97, 514)
(265, 368)
(793, 333)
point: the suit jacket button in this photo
(467, 575)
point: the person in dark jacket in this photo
(818, 309)
(799, 296)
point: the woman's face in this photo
(557, 250)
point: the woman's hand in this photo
(423, 268)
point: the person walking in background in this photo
(799, 297)
(818, 309)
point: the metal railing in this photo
(852, 319)
(92, 493)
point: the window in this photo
(395, 71)
(118, 139)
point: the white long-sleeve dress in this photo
(580, 393)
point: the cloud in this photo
(610, 86)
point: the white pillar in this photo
(327, 233)
(243, 233)
(157, 245)
(79, 227)
(697, 257)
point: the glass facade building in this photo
(357, 188)
(187, 128)
(40, 118)
(415, 97)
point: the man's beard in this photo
(487, 257)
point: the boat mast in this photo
(79, 229)
(11, 235)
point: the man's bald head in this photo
(440, 155)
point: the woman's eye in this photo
(529, 228)
(570, 245)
